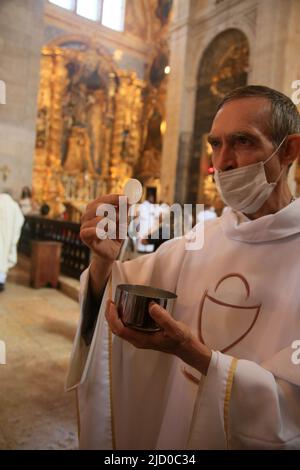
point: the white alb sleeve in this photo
(242, 405)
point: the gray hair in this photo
(284, 116)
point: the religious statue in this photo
(78, 152)
(95, 120)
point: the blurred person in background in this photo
(11, 221)
(25, 201)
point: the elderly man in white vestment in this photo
(11, 221)
(223, 372)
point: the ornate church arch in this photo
(223, 67)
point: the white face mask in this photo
(246, 189)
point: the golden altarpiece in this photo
(89, 127)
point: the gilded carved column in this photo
(42, 125)
(53, 188)
(126, 130)
(118, 126)
(58, 86)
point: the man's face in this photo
(239, 136)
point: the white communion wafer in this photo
(133, 190)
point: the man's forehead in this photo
(245, 113)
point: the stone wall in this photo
(21, 29)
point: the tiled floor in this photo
(38, 327)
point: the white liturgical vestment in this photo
(240, 294)
(11, 221)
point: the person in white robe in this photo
(209, 213)
(11, 221)
(25, 201)
(223, 373)
(148, 217)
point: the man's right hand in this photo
(104, 251)
(107, 249)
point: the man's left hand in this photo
(174, 337)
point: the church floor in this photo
(38, 327)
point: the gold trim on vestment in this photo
(112, 421)
(77, 413)
(229, 384)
